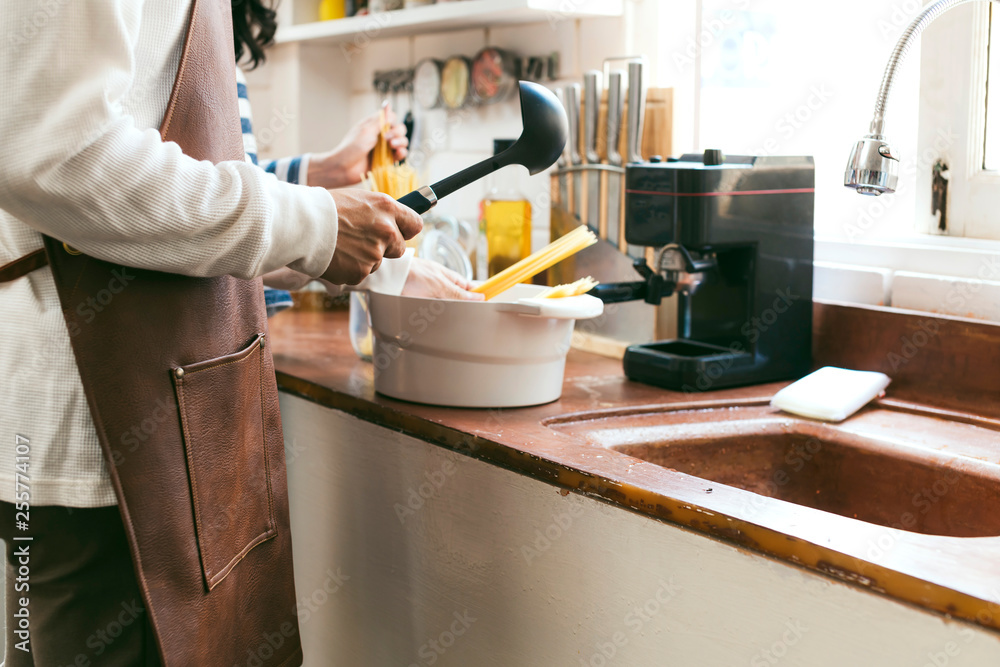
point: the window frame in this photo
(952, 125)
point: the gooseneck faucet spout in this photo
(873, 167)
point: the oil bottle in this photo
(506, 215)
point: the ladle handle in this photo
(425, 197)
(420, 200)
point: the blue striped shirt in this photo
(286, 169)
(289, 169)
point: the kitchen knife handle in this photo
(420, 200)
(572, 93)
(636, 111)
(615, 109)
(591, 102)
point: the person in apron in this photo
(143, 498)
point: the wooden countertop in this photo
(958, 576)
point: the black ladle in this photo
(542, 139)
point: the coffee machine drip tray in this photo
(688, 365)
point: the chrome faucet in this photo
(873, 167)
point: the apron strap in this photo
(23, 265)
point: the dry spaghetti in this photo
(387, 175)
(533, 264)
(581, 286)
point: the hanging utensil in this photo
(542, 139)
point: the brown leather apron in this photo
(180, 382)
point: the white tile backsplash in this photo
(978, 299)
(444, 45)
(854, 284)
(378, 55)
(475, 129)
(601, 38)
(541, 39)
(464, 203)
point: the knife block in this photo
(658, 125)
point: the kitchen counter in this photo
(951, 575)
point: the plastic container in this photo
(435, 246)
(506, 352)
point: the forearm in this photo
(327, 170)
(389, 279)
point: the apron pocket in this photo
(221, 408)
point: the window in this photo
(991, 161)
(958, 127)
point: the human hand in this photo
(350, 161)
(371, 226)
(430, 279)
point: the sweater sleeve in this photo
(75, 166)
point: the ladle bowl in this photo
(543, 137)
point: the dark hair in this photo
(254, 24)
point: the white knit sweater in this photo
(83, 88)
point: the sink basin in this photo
(910, 468)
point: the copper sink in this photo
(892, 464)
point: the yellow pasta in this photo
(386, 175)
(533, 264)
(581, 286)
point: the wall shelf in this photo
(444, 17)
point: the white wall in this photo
(777, 77)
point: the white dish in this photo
(506, 352)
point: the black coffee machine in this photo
(733, 237)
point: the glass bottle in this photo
(506, 215)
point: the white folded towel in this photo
(831, 394)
